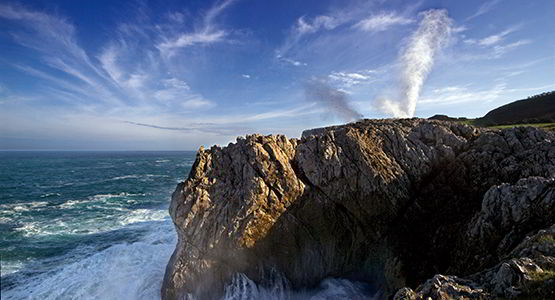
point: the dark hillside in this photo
(536, 109)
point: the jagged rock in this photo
(443, 288)
(383, 201)
(508, 213)
(531, 277)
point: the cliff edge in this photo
(394, 203)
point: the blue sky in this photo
(142, 75)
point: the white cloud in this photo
(246, 76)
(500, 50)
(293, 62)
(462, 94)
(382, 22)
(494, 44)
(197, 103)
(484, 8)
(207, 33)
(190, 39)
(319, 22)
(346, 80)
(496, 38)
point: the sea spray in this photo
(416, 61)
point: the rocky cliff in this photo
(394, 203)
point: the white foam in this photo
(20, 207)
(243, 288)
(125, 177)
(122, 271)
(5, 220)
(103, 197)
(49, 195)
(98, 198)
(91, 225)
(9, 267)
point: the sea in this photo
(95, 225)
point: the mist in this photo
(416, 61)
(334, 100)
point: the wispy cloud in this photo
(207, 33)
(495, 45)
(462, 94)
(382, 22)
(302, 28)
(484, 8)
(53, 38)
(466, 94)
(349, 25)
(494, 38)
(128, 72)
(500, 50)
(319, 22)
(197, 127)
(347, 80)
(293, 62)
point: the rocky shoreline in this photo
(395, 203)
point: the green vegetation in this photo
(542, 276)
(547, 126)
(548, 239)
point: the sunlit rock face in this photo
(388, 202)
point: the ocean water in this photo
(95, 225)
(87, 225)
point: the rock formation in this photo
(394, 203)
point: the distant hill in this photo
(447, 118)
(533, 110)
(536, 109)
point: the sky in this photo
(175, 75)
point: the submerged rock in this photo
(387, 202)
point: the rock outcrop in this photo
(388, 202)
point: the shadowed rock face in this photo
(390, 202)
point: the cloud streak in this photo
(207, 33)
(484, 8)
(382, 22)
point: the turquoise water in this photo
(86, 224)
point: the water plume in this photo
(334, 100)
(417, 59)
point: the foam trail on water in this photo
(417, 59)
(334, 100)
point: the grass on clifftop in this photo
(547, 126)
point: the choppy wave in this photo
(91, 225)
(122, 271)
(19, 207)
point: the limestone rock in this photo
(389, 202)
